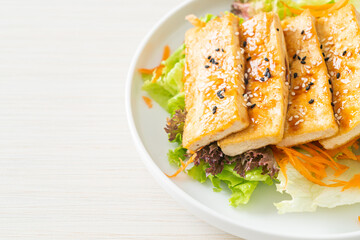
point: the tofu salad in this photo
(267, 93)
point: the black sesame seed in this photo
(311, 101)
(262, 79)
(331, 90)
(332, 104)
(321, 46)
(220, 93)
(326, 59)
(299, 57)
(323, 54)
(209, 57)
(311, 83)
(253, 105)
(294, 56)
(266, 59)
(222, 50)
(248, 59)
(344, 53)
(214, 109)
(338, 75)
(329, 81)
(302, 32)
(207, 66)
(277, 29)
(303, 59)
(244, 44)
(216, 63)
(246, 81)
(267, 70)
(307, 88)
(295, 75)
(212, 60)
(303, 62)
(218, 49)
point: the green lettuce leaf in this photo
(241, 188)
(166, 90)
(176, 102)
(175, 155)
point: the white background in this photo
(68, 167)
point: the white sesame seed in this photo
(290, 118)
(297, 122)
(296, 87)
(255, 94)
(255, 89)
(338, 111)
(246, 75)
(290, 102)
(336, 115)
(237, 33)
(304, 79)
(337, 93)
(345, 91)
(296, 116)
(330, 38)
(293, 93)
(357, 85)
(303, 85)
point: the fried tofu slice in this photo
(310, 116)
(339, 34)
(214, 84)
(267, 85)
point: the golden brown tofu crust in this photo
(267, 88)
(310, 115)
(339, 34)
(214, 82)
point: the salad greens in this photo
(240, 174)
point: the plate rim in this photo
(184, 199)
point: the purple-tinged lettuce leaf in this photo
(175, 126)
(262, 157)
(214, 157)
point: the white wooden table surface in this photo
(68, 167)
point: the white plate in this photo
(256, 220)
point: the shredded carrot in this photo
(158, 69)
(183, 166)
(317, 10)
(146, 71)
(318, 7)
(311, 167)
(354, 182)
(147, 101)
(195, 21)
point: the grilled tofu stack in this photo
(310, 115)
(214, 83)
(339, 34)
(266, 85)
